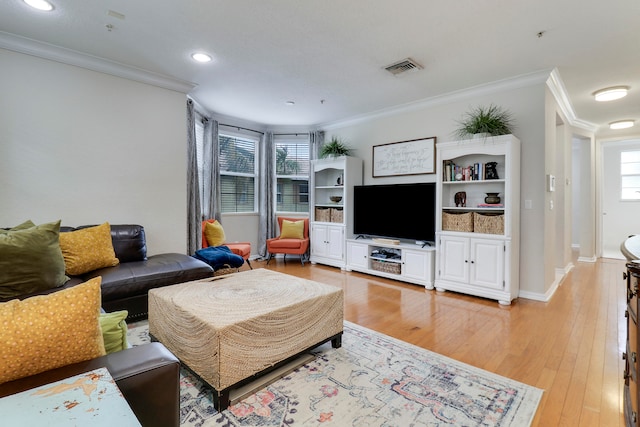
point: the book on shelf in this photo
(474, 172)
(491, 205)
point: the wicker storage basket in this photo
(457, 221)
(385, 266)
(323, 214)
(336, 215)
(488, 223)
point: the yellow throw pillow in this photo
(292, 229)
(88, 249)
(214, 233)
(49, 331)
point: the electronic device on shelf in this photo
(385, 254)
(386, 241)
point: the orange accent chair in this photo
(277, 245)
(239, 248)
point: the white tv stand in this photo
(405, 261)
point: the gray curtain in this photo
(316, 139)
(194, 216)
(211, 168)
(267, 203)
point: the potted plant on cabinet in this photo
(483, 121)
(334, 148)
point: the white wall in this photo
(576, 187)
(527, 103)
(87, 147)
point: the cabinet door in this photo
(454, 259)
(357, 255)
(335, 242)
(415, 265)
(487, 263)
(319, 240)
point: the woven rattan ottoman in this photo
(230, 329)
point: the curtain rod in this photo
(262, 133)
(240, 127)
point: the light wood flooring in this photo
(570, 347)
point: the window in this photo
(238, 173)
(630, 175)
(292, 173)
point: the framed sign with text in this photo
(413, 157)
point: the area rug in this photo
(372, 380)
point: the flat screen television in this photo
(396, 211)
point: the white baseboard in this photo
(535, 296)
(561, 273)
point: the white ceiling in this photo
(328, 56)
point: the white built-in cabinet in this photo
(407, 262)
(327, 242)
(332, 221)
(477, 244)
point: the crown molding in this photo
(523, 80)
(71, 57)
(559, 92)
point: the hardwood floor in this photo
(570, 347)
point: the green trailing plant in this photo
(491, 121)
(335, 148)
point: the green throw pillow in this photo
(30, 259)
(27, 224)
(114, 330)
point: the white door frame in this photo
(607, 230)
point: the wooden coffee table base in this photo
(221, 398)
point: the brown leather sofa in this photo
(148, 376)
(125, 286)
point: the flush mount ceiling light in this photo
(621, 124)
(611, 93)
(201, 57)
(289, 103)
(40, 4)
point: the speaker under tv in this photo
(397, 211)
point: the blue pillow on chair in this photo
(219, 257)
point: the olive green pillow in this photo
(30, 259)
(114, 330)
(27, 224)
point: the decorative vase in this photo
(492, 198)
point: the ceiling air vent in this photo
(403, 66)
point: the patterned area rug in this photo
(373, 380)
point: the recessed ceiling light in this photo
(201, 57)
(621, 124)
(40, 4)
(611, 93)
(290, 103)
